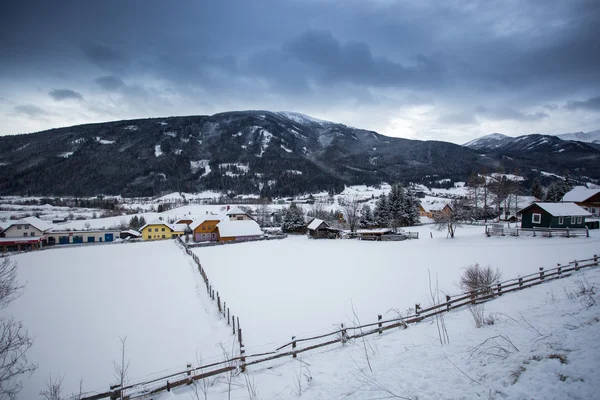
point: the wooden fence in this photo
(345, 333)
(500, 230)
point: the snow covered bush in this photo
(477, 277)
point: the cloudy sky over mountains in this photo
(447, 70)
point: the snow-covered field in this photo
(544, 344)
(302, 287)
(79, 301)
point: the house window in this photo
(536, 218)
(25, 226)
(163, 236)
(32, 234)
(204, 228)
(155, 229)
(163, 229)
(578, 220)
(240, 218)
(18, 226)
(593, 210)
(561, 220)
(24, 233)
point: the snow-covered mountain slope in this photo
(589, 137)
(493, 140)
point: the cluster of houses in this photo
(32, 233)
(234, 224)
(231, 225)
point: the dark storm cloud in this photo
(592, 104)
(104, 57)
(506, 113)
(30, 110)
(65, 94)
(110, 82)
(515, 57)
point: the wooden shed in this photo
(319, 229)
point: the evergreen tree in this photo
(366, 217)
(293, 219)
(397, 204)
(410, 209)
(556, 190)
(537, 190)
(382, 212)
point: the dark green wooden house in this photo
(553, 215)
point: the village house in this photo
(319, 229)
(589, 199)
(430, 210)
(62, 236)
(24, 234)
(231, 225)
(553, 215)
(159, 230)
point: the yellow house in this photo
(159, 230)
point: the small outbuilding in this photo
(319, 229)
(553, 215)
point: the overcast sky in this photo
(447, 70)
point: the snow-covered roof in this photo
(33, 221)
(561, 209)
(371, 231)
(179, 227)
(229, 228)
(579, 193)
(209, 217)
(438, 206)
(132, 232)
(235, 211)
(316, 223)
(156, 222)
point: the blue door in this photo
(91, 239)
(108, 237)
(77, 239)
(63, 240)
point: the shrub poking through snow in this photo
(584, 291)
(477, 277)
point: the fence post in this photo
(417, 308)
(379, 319)
(294, 346)
(344, 333)
(242, 358)
(587, 232)
(228, 323)
(233, 324)
(541, 273)
(239, 331)
(499, 289)
(596, 259)
(447, 303)
(189, 369)
(576, 266)
(219, 302)
(520, 283)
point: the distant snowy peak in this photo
(303, 119)
(492, 140)
(589, 137)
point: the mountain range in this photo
(259, 152)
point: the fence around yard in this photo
(344, 333)
(501, 230)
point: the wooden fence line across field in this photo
(545, 232)
(344, 333)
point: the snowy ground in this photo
(301, 287)
(544, 344)
(79, 301)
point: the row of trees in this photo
(398, 208)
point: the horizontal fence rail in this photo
(345, 333)
(543, 232)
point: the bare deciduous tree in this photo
(14, 340)
(121, 368)
(53, 388)
(351, 213)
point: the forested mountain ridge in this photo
(241, 152)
